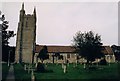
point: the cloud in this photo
(58, 22)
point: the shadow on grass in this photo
(45, 71)
(5, 70)
(42, 69)
(20, 74)
(77, 80)
(100, 73)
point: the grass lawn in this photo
(20, 73)
(78, 73)
(5, 70)
(106, 72)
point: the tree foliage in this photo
(6, 35)
(88, 45)
(43, 54)
(116, 50)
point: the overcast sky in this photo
(57, 22)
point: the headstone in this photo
(97, 62)
(32, 77)
(29, 68)
(36, 62)
(36, 65)
(8, 64)
(32, 73)
(67, 62)
(84, 65)
(62, 65)
(64, 68)
(46, 64)
(56, 60)
(76, 63)
(25, 68)
(64, 59)
(109, 60)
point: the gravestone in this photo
(62, 65)
(29, 68)
(64, 68)
(32, 76)
(25, 67)
(36, 62)
(76, 63)
(84, 65)
(32, 72)
(67, 62)
(36, 65)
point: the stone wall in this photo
(72, 58)
(26, 37)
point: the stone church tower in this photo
(26, 37)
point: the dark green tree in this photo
(116, 50)
(6, 35)
(43, 54)
(88, 45)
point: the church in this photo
(26, 49)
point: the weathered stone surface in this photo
(26, 36)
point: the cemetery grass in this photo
(20, 73)
(5, 70)
(79, 73)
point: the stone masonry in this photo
(26, 37)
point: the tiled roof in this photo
(53, 49)
(107, 50)
(69, 49)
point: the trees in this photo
(43, 54)
(6, 35)
(116, 50)
(88, 45)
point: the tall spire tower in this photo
(26, 37)
(22, 6)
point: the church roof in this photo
(54, 49)
(69, 49)
(107, 50)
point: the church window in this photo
(68, 55)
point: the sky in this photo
(58, 22)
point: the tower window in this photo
(26, 24)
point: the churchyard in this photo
(56, 72)
(5, 69)
(63, 63)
